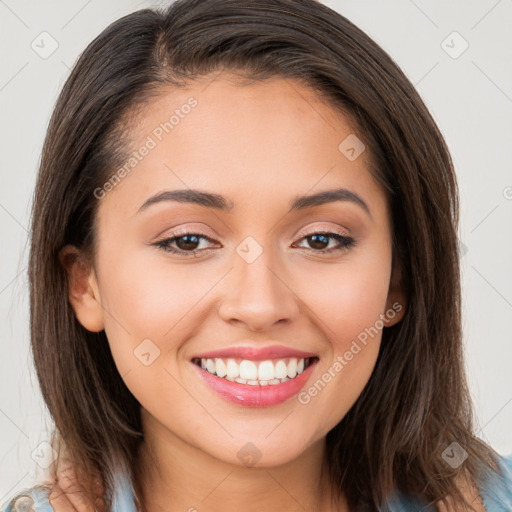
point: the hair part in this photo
(416, 401)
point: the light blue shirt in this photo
(496, 494)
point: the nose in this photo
(258, 296)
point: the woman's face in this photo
(255, 274)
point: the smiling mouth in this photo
(255, 373)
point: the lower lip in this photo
(256, 396)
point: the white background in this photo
(470, 98)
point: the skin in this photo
(259, 145)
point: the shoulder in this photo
(471, 494)
(33, 499)
(496, 489)
(37, 498)
(492, 494)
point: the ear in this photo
(395, 303)
(83, 291)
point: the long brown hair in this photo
(416, 402)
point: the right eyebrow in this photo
(205, 199)
(329, 196)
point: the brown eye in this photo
(319, 242)
(186, 244)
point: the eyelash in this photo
(346, 242)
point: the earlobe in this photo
(395, 303)
(83, 291)
(395, 307)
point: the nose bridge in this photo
(258, 294)
(253, 271)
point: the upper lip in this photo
(255, 353)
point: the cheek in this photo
(348, 301)
(147, 314)
(148, 298)
(148, 295)
(348, 298)
(354, 308)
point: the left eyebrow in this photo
(219, 202)
(329, 196)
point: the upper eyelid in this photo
(303, 232)
(300, 235)
(313, 231)
(346, 241)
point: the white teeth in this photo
(266, 370)
(292, 368)
(210, 365)
(263, 373)
(281, 369)
(220, 368)
(233, 370)
(248, 370)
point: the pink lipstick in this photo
(255, 376)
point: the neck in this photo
(175, 476)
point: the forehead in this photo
(273, 139)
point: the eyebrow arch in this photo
(219, 202)
(205, 199)
(329, 196)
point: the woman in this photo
(244, 274)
